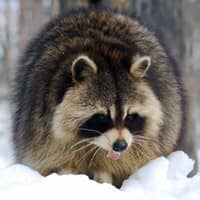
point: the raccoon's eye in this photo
(132, 117)
(101, 117)
(96, 125)
(135, 123)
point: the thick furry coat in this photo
(54, 96)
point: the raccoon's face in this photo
(109, 106)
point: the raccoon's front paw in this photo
(103, 177)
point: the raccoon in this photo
(96, 94)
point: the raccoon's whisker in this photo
(143, 141)
(80, 142)
(152, 141)
(142, 153)
(93, 157)
(140, 150)
(87, 153)
(145, 137)
(92, 130)
(81, 148)
(148, 139)
(136, 153)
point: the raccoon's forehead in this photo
(113, 84)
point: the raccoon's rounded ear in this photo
(140, 66)
(83, 67)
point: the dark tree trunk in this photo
(94, 2)
(63, 5)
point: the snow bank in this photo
(162, 179)
(165, 179)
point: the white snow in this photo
(165, 178)
(5, 134)
(160, 179)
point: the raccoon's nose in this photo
(120, 145)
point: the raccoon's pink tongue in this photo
(114, 155)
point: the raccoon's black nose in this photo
(120, 145)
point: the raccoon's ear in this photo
(140, 66)
(82, 68)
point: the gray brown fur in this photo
(44, 79)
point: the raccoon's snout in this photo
(120, 145)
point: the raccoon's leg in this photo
(102, 177)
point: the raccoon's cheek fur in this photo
(149, 107)
(69, 115)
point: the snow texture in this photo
(160, 179)
(5, 135)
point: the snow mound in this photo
(165, 178)
(162, 178)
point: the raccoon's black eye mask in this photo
(96, 125)
(135, 123)
(100, 123)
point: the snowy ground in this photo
(161, 179)
(5, 134)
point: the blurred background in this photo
(177, 21)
